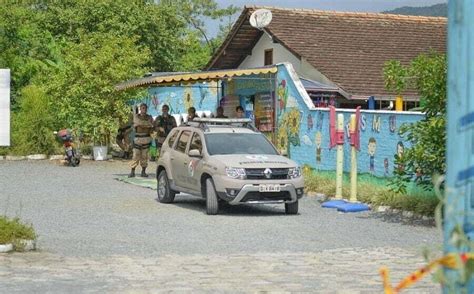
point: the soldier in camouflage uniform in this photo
(163, 125)
(143, 124)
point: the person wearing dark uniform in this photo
(220, 112)
(123, 137)
(163, 125)
(143, 124)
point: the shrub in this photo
(32, 125)
(12, 231)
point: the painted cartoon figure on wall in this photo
(317, 141)
(188, 98)
(371, 150)
(288, 130)
(400, 151)
(282, 92)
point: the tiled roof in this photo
(350, 49)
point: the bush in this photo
(33, 125)
(12, 231)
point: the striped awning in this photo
(174, 78)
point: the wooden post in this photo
(339, 156)
(353, 197)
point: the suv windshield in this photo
(238, 143)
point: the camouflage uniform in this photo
(143, 124)
(167, 123)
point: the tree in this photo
(427, 155)
(83, 88)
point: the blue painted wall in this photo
(203, 96)
(313, 125)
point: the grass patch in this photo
(373, 190)
(12, 231)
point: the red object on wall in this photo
(340, 137)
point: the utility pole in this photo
(459, 206)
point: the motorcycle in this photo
(73, 157)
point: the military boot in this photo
(132, 173)
(143, 174)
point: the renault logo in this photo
(268, 173)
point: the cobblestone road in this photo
(97, 235)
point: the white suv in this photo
(226, 160)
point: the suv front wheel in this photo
(212, 203)
(291, 208)
(165, 194)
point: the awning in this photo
(172, 78)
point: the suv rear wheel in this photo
(212, 203)
(291, 208)
(165, 194)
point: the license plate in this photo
(269, 188)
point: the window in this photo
(173, 138)
(183, 141)
(268, 57)
(196, 143)
(238, 143)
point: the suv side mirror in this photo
(194, 153)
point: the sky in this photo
(339, 5)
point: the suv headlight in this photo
(294, 172)
(235, 173)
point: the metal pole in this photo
(339, 157)
(353, 197)
(459, 190)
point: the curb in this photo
(15, 158)
(29, 245)
(37, 157)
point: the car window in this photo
(196, 143)
(183, 141)
(173, 138)
(238, 143)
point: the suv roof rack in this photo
(204, 123)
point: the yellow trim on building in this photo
(193, 77)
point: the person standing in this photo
(220, 112)
(191, 113)
(239, 112)
(143, 124)
(163, 125)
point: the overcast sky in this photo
(339, 5)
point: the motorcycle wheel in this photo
(75, 161)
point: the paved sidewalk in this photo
(328, 271)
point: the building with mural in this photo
(286, 75)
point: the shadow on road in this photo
(225, 209)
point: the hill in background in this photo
(434, 10)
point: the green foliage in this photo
(83, 87)
(12, 231)
(24, 47)
(32, 125)
(427, 154)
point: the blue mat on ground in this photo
(345, 206)
(333, 203)
(353, 207)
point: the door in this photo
(194, 165)
(179, 159)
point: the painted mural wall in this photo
(304, 131)
(203, 96)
